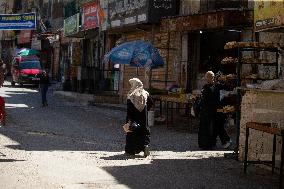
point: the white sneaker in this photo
(227, 144)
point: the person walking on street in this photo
(138, 103)
(43, 83)
(210, 124)
(2, 73)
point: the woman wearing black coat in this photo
(138, 103)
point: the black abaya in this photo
(139, 138)
(211, 122)
(208, 106)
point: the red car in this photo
(26, 70)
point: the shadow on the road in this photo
(1, 154)
(22, 86)
(122, 157)
(191, 173)
(32, 141)
(10, 160)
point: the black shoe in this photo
(129, 154)
(146, 151)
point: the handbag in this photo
(133, 126)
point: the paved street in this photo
(66, 145)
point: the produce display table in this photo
(176, 103)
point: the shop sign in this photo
(133, 12)
(71, 25)
(214, 20)
(25, 21)
(93, 16)
(162, 8)
(24, 36)
(268, 14)
(127, 12)
(104, 23)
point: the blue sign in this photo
(25, 21)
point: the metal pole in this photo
(238, 110)
(152, 41)
(167, 61)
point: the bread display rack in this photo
(253, 47)
(239, 61)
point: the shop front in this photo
(262, 103)
(203, 37)
(70, 46)
(92, 43)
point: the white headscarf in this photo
(137, 95)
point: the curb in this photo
(83, 99)
(120, 107)
(87, 100)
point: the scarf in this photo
(137, 95)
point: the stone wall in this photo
(272, 37)
(261, 106)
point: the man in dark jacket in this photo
(211, 123)
(43, 83)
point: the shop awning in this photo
(212, 20)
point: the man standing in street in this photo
(211, 123)
(43, 83)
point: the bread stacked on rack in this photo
(227, 109)
(229, 60)
(234, 44)
(227, 77)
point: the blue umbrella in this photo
(135, 53)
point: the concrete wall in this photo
(261, 106)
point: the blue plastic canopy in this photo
(135, 53)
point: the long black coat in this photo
(138, 139)
(208, 108)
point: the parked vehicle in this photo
(26, 70)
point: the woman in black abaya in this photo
(138, 101)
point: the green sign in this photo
(71, 25)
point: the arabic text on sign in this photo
(28, 17)
(11, 18)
